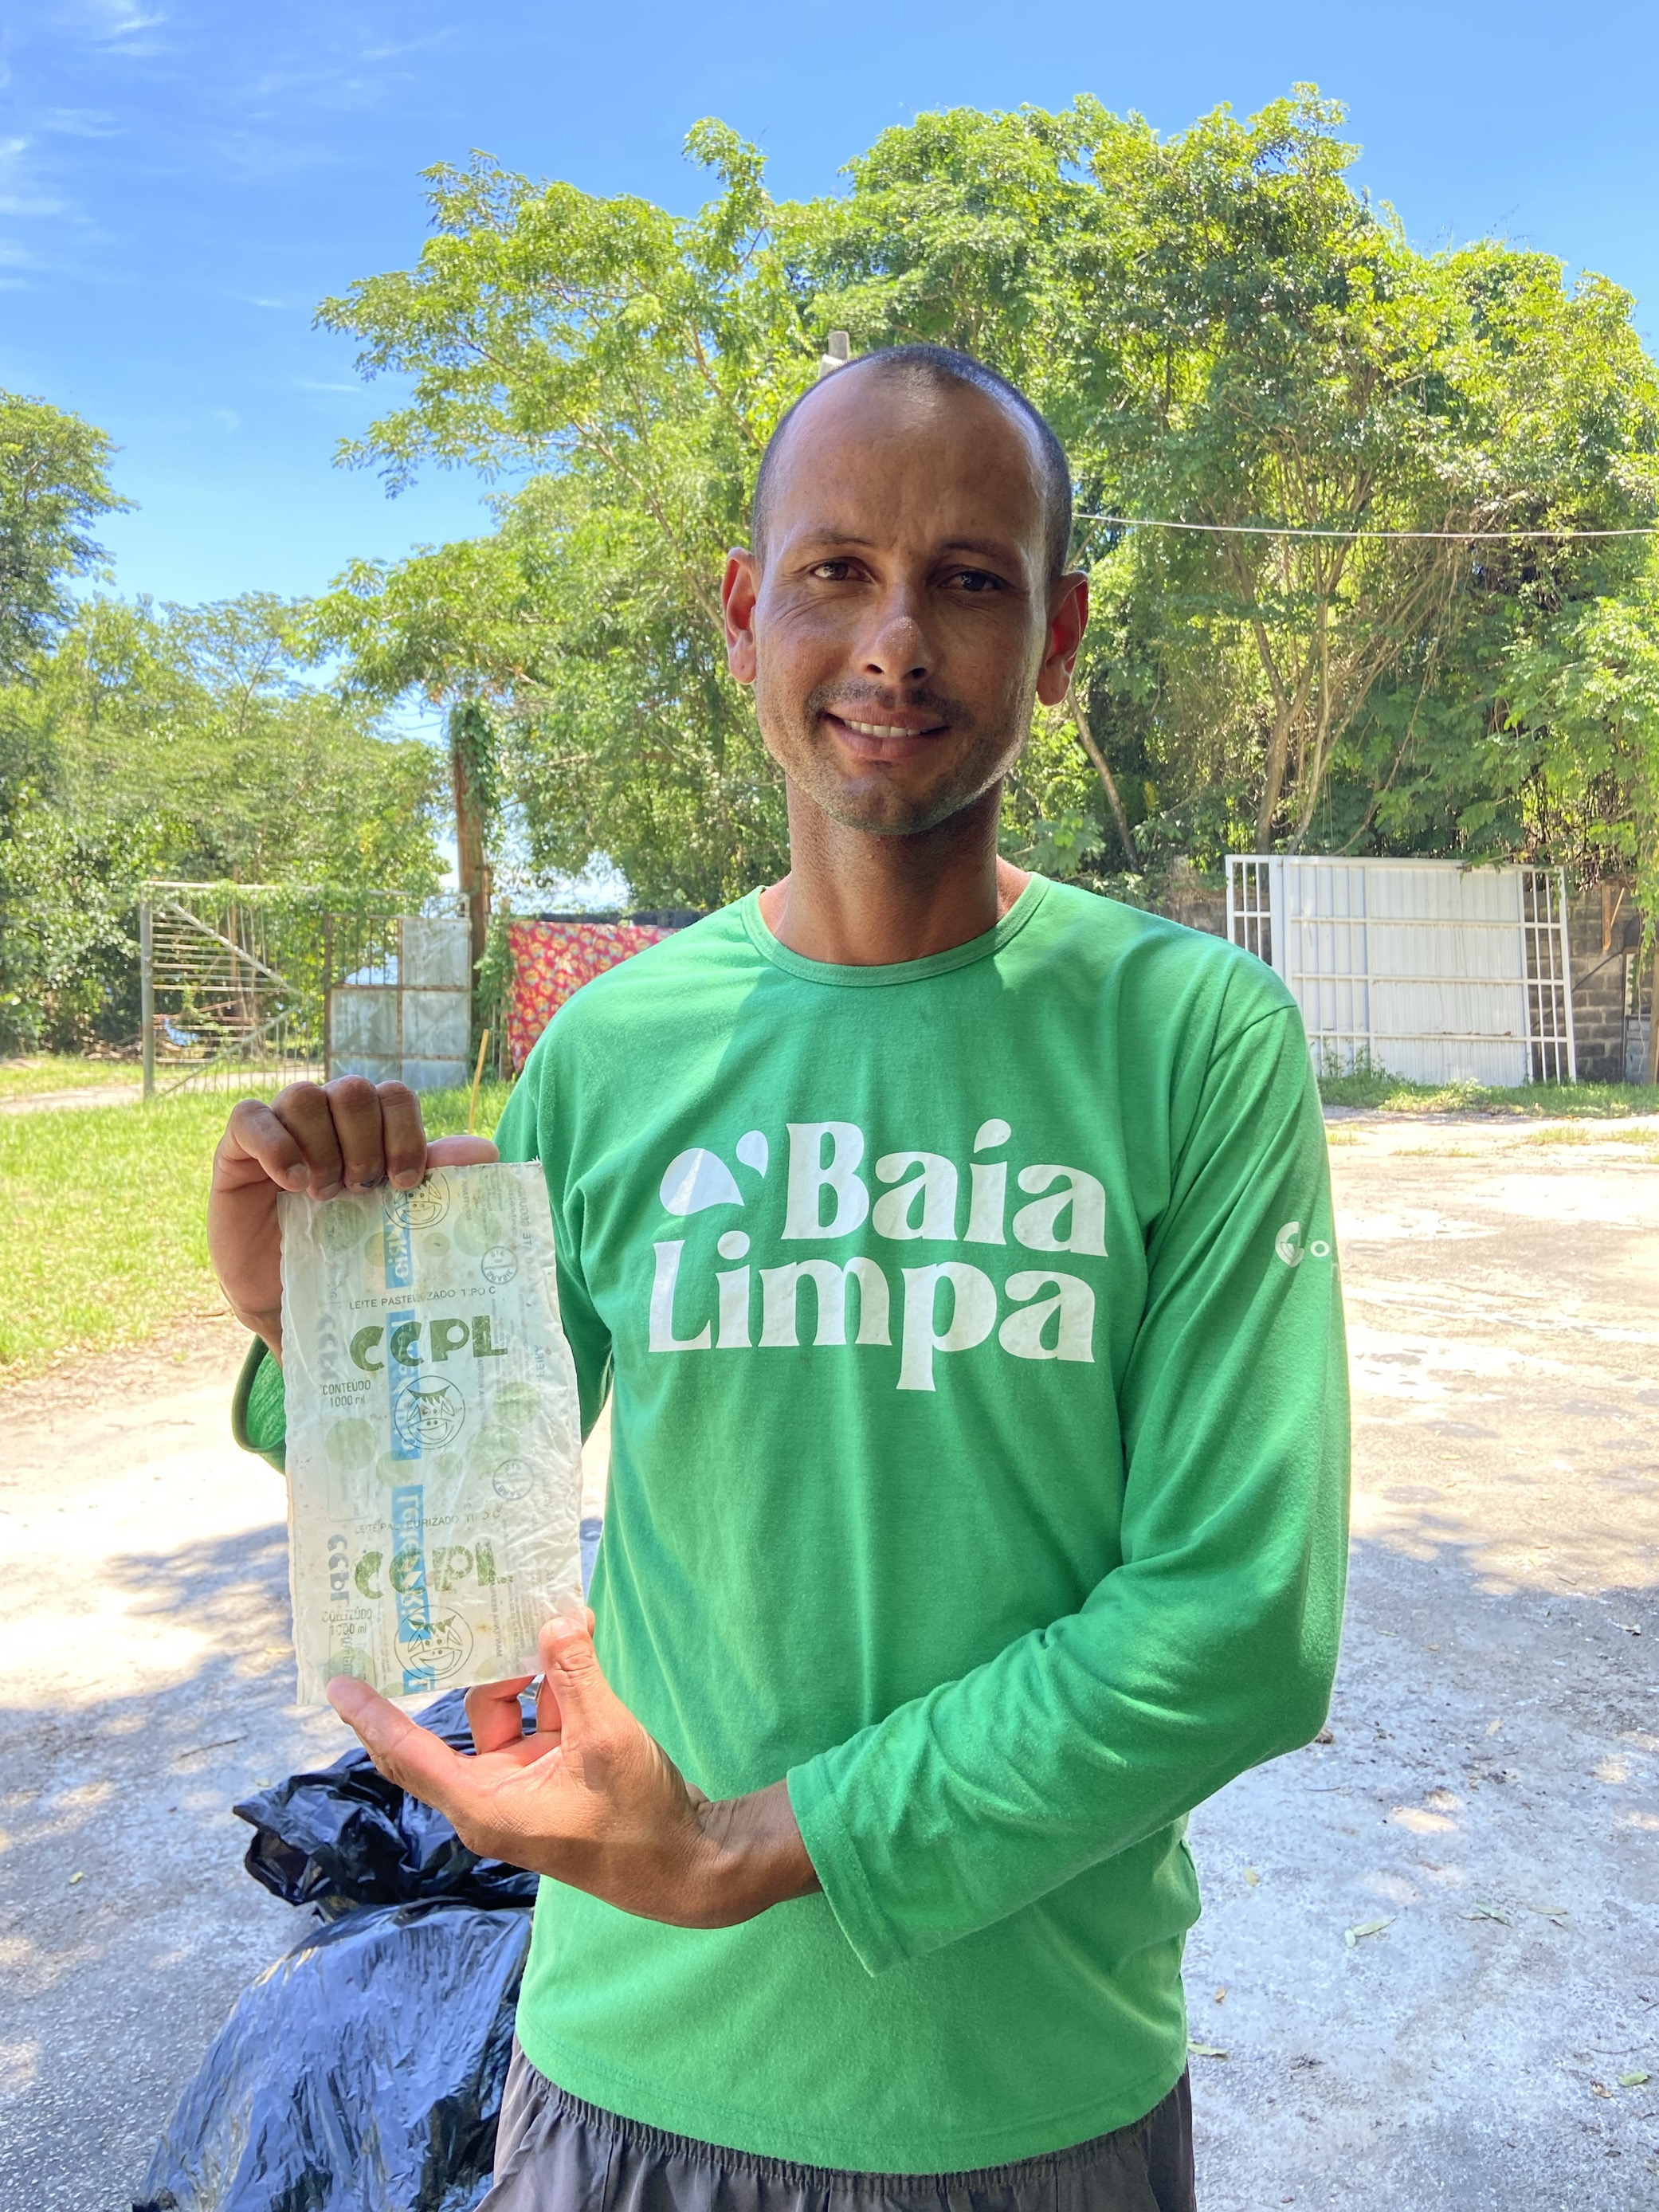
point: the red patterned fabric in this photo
(551, 959)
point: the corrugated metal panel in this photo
(437, 953)
(437, 1025)
(1431, 970)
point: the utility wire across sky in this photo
(1292, 530)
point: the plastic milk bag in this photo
(434, 1434)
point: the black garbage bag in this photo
(345, 1836)
(361, 2072)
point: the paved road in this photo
(1491, 1791)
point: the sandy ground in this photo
(1487, 1808)
(1491, 1789)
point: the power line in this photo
(1292, 530)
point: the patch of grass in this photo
(1393, 1094)
(444, 1112)
(35, 1073)
(103, 1230)
(102, 1234)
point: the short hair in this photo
(939, 366)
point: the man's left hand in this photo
(590, 1798)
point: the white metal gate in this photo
(1435, 971)
(404, 1013)
(220, 1007)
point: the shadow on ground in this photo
(1438, 1934)
(1489, 1795)
(1484, 1823)
(114, 1982)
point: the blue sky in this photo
(180, 184)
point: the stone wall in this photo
(1189, 898)
(1604, 931)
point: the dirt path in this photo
(1491, 1789)
(1490, 1792)
(100, 1094)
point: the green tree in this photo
(198, 730)
(54, 484)
(187, 742)
(629, 365)
(1225, 334)
(66, 892)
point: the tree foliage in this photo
(54, 485)
(1226, 334)
(186, 743)
(1224, 331)
(629, 365)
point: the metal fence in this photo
(236, 979)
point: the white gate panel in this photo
(409, 1019)
(1431, 970)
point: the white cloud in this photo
(80, 123)
(113, 22)
(367, 76)
(270, 158)
(21, 180)
(227, 418)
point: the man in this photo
(955, 1246)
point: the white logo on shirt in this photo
(1293, 1252)
(950, 1305)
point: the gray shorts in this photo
(555, 2154)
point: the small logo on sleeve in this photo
(1293, 1251)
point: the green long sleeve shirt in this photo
(979, 1461)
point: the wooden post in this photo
(478, 1078)
(467, 730)
(328, 998)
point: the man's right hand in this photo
(349, 1135)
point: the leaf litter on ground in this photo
(1367, 1928)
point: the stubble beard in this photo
(980, 754)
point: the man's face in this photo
(905, 621)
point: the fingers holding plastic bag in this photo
(493, 1713)
(418, 1761)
